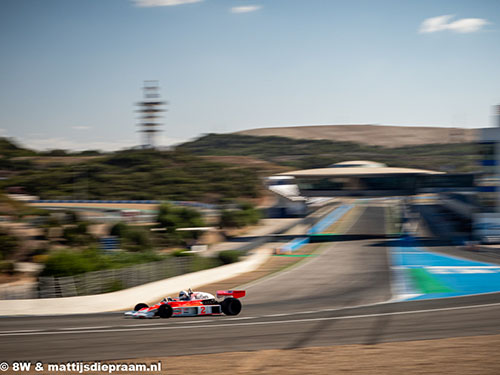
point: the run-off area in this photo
(420, 274)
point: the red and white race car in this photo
(194, 304)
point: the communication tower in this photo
(150, 109)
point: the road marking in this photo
(274, 315)
(222, 325)
(23, 331)
(80, 328)
(195, 321)
(242, 318)
(142, 325)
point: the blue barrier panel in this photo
(110, 243)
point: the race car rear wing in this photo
(231, 293)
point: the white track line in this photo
(84, 328)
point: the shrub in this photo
(202, 263)
(7, 267)
(172, 218)
(69, 263)
(181, 253)
(231, 219)
(133, 238)
(136, 240)
(229, 256)
(8, 244)
(118, 229)
(113, 286)
(246, 214)
(77, 235)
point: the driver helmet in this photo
(184, 296)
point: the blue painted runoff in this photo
(331, 218)
(463, 277)
(295, 244)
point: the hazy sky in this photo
(70, 71)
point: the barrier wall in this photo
(127, 298)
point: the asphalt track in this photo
(308, 305)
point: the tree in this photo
(8, 244)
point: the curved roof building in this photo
(360, 177)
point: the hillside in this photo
(139, 175)
(375, 135)
(306, 153)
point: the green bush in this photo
(118, 229)
(172, 218)
(202, 263)
(181, 253)
(113, 286)
(132, 238)
(229, 256)
(7, 267)
(136, 239)
(69, 263)
(8, 244)
(231, 219)
(77, 235)
(246, 214)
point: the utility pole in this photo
(150, 109)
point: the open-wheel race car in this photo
(192, 304)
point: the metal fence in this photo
(100, 281)
(21, 291)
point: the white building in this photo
(487, 222)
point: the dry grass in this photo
(377, 135)
(265, 167)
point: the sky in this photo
(72, 70)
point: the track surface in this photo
(305, 306)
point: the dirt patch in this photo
(465, 355)
(457, 356)
(377, 135)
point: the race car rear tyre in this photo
(231, 306)
(165, 311)
(140, 306)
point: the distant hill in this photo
(137, 175)
(375, 135)
(311, 153)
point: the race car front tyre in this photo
(231, 306)
(140, 306)
(165, 311)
